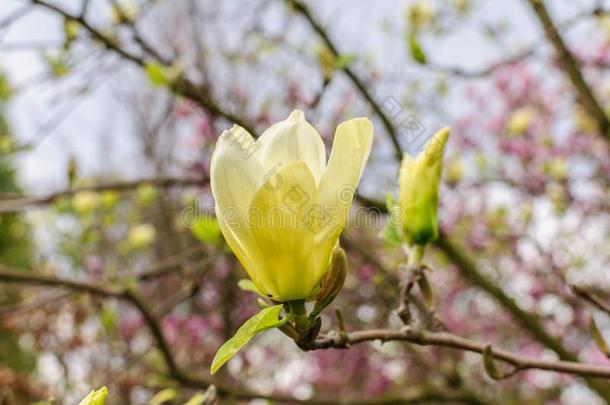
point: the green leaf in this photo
(598, 338)
(156, 74)
(417, 52)
(163, 396)
(58, 64)
(209, 397)
(207, 230)
(267, 318)
(95, 397)
(248, 285)
(108, 318)
(389, 234)
(344, 60)
(196, 400)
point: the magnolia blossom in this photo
(419, 181)
(281, 206)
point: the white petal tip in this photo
(296, 115)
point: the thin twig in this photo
(444, 339)
(570, 66)
(14, 204)
(182, 85)
(358, 83)
(592, 298)
(186, 380)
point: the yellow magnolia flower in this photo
(85, 201)
(141, 236)
(281, 207)
(419, 181)
(520, 120)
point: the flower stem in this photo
(416, 254)
(299, 314)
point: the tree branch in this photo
(592, 298)
(518, 57)
(186, 380)
(570, 67)
(529, 322)
(181, 85)
(444, 339)
(301, 8)
(8, 205)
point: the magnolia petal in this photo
(235, 173)
(351, 149)
(235, 176)
(292, 140)
(277, 219)
(436, 147)
(419, 181)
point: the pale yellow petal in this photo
(278, 221)
(235, 176)
(235, 173)
(419, 181)
(292, 140)
(351, 149)
(433, 153)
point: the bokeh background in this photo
(110, 110)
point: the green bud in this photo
(419, 182)
(95, 397)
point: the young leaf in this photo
(267, 318)
(598, 338)
(196, 400)
(163, 396)
(207, 230)
(209, 397)
(490, 364)
(95, 397)
(344, 60)
(156, 74)
(417, 52)
(246, 284)
(390, 235)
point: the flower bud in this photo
(334, 279)
(520, 121)
(281, 206)
(419, 182)
(85, 201)
(141, 236)
(332, 282)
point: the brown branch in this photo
(571, 68)
(528, 321)
(181, 85)
(518, 57)
(301, 8)
(592, 298)
(14, 204)
(172, 263)
(444, 339)
(186, 380)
